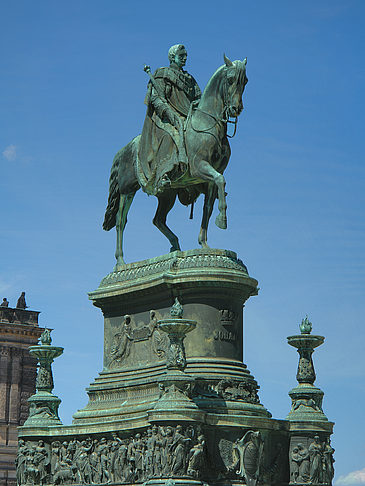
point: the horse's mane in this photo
(213, 80)
(216, 77)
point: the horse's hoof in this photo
(221, 222)
(120, 265)
(173, 248)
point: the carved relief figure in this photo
(166, 456)
(300, 465)
(160, 452)
(294, 466)
(82, 462)
(120, 461)
(315, 454)
(31, 472)
(304, 467)
(103, 449)
(178, 449)
(55, 456)
(150, 449)
(121, 343)
(41, 460)
(94, 461)
(138, 451)
(114, 447)
(329, 470)
(197, 458)
(20, 461)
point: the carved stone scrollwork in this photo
(306, 402)
(41, 410)
(189, 260)
(227, 317)
(186, 388)
(306, 373)
(238, 390)
(44, 377)
(248, 457)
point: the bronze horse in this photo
(208, 153)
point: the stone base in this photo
(43, 410)
(212, 286)
(174, 482)
(156, 420)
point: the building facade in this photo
(19, 329)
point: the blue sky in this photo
(71, 95)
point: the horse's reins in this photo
(224, 119)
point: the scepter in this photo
(147, 69)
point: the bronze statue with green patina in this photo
(183, 149)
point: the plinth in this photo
(174, 404)
(212, 286)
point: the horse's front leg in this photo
(165, 203)
(206, 172)
(210, 197)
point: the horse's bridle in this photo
(225, 115)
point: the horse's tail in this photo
(114, 196)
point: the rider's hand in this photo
(172, 117)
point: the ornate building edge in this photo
(104, 428)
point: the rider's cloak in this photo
(161, 152)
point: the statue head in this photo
(178, 55)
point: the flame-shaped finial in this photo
(305, 326)
(177, 309)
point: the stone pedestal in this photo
(175, 403)
(212, 286)
(310, 454)
(43, 405)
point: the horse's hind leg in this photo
(210, 197)
(121, 220)
(165, 203)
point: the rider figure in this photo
(168, 100)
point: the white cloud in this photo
(352, 478)
(10, 152)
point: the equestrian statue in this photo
(183, 149)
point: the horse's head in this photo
(233, 85)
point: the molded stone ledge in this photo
(201, 267)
